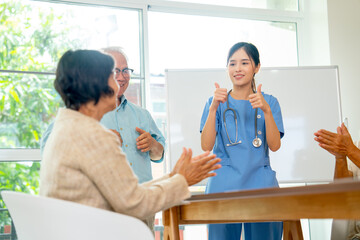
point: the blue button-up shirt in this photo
(124, 119)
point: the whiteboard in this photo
(309, 98)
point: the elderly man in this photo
(142, 141)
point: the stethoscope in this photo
(256, 142)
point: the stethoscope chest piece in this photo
(256, 142)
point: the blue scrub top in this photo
(243, 165)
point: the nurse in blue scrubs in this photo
(240, 126)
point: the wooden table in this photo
(338, 200)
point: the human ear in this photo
(257, 68)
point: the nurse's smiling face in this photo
(241, 69)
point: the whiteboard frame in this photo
(170, 162)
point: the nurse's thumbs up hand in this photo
(257, 100)
(220, 95)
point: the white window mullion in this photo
(17, 155)
(225, 11)
(198, 9)
(108, 3)
(144, 51)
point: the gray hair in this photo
(116, 50)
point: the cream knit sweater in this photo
(82, 162)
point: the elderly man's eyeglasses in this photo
(126, 72)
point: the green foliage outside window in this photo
(31, 39)
(17, 177)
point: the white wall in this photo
(330, 35)
(313, 34)
(344, 36)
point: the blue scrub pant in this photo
(253, 231)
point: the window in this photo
(187, 41)
(33, 35)
(29, 101)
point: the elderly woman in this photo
(83, 161)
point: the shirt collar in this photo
(123, 102)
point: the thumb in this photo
(344, 129)
(139, 130)
(339, 130)
(188, 156)
(259, 88)
(183, 154)
(217, 85)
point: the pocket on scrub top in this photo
(271, 176)
(225, 161)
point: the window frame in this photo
(297, 17)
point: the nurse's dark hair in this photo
(251, 51)
(82, 76)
